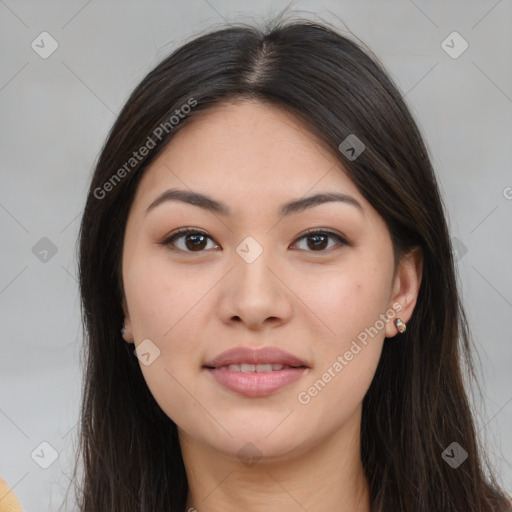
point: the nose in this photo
(256, 293)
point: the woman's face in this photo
(250, 277)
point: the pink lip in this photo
(256, 384)
(265, 355)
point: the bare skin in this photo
(309, 299)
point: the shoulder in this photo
(9, 502)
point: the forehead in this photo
(247, 150)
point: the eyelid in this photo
(181, 232)
(185, 230)
(324, 231)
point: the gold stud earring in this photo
(401, 326)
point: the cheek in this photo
(161, 299)
(163, 307)
(349, 341)
(344, 303)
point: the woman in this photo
(265, 225)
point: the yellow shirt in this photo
(8, 500)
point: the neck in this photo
(325, 477)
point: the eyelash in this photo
(185, 231)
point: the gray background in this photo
(55, 115)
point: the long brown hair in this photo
(417, 404)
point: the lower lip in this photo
(256, 384)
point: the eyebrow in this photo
(208, 203)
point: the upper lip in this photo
(264, 355)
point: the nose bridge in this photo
(252, 261)
(254, 292)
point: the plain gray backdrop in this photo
(58, 103)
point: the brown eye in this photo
(193, 240)
(318, 241)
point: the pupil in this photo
(316, 237)
(194, 238)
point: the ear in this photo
(406, 286)
(128, 332)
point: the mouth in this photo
(255, 372)
(254, 368)
(248, 359)
(244, 380)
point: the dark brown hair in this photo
(417, 404)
